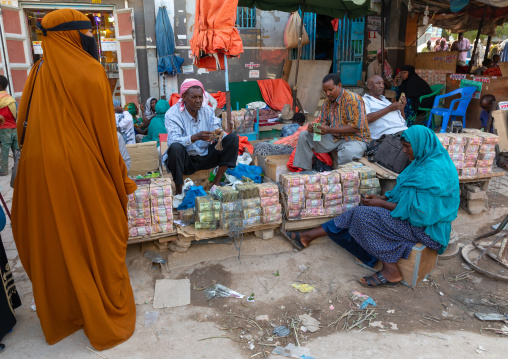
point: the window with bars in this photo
(245, 17)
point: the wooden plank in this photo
(503, 66)
(200, 234)
(152, 237)
(297, 225)
(387, 174)
(381, 171)
(433, 61)
(286, 70)
(310, 77)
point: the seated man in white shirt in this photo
(191, 146)
(384, 117)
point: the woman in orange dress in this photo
(70, 195)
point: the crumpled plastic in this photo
(304, 288)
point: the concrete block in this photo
(183, 242)
(161, 245)
(171, 293)
(173, 247)
(474, 195)
(472, 188)
(265, 234)
(473, 206)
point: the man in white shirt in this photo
(462, 45)
(384, 117)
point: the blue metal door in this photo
(348, 45)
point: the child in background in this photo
(486, 104)
(298, 120)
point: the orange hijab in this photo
(89, 106)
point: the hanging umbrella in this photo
(215, 34)
(168, 61)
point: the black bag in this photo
(388, 152)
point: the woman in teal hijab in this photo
(419, 209)
(157, 123)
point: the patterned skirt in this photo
(384, 237)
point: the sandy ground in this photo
(434, 320)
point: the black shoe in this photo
(4, 173)
(2, 347)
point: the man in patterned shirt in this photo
(343, 127)
(190, 124)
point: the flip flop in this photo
(295, 242)
(377, 280)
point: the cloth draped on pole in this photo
(215, 34)
(276, 93)
(168, 61)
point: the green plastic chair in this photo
(436, 90)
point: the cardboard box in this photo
(501, 124)
(273, 166)
(420, 263)
(144, 158)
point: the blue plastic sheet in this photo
(252, 172)
(190, 197)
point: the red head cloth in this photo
(187, 84)
(379, 51)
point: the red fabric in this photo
(210, 63)
(276, 93)
(335, 24)
(323, 157)
(163, 137)
(215, 32)
(173, 99)
(244, 143)
(290, 166)
(219, 96)
(493, 71)
(10, 120)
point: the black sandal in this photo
(377, 280)
(2, 347)
(295, 242)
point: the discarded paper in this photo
(220, 291)
(171, 293)
(310, 323)
(151, 318)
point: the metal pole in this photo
(382, 39)
(228, 96)
(295, 88)
(471, 63)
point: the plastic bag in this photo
(292, 32)
(190, 197)
(252, 172)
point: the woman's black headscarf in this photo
(414, 87)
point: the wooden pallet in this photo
(190, 233)
(305, 223)
(384, 173)
(162, 237)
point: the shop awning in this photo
(334, 8)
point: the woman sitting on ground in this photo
(419, 209)
(413, 87)
(157, 125)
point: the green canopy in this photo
(334, 8)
